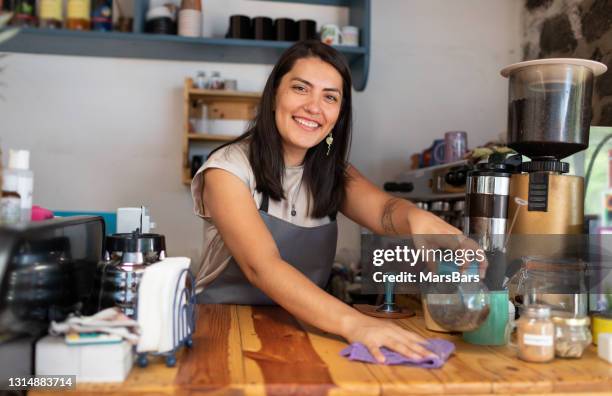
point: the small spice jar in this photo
(535, 333)
(216, 82)
(572, 336)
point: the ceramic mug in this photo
(496, 329)
(330, 34)
(350, 36)
(455, 145)
(437, 152)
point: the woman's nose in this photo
(313, 106)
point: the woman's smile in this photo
(307, 123)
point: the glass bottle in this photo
(10, 201)
(535, 333)
(25, 15)
(50, 14)
(78, 14)
(102, 15)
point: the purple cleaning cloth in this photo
(441, 348)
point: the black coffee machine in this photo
(47, 270)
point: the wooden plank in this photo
(352, 378)
(186, 166)
(254, 379)
(287, 361)
(215, 362)
(473, 370)
(221, 93)
(227, 110)
(588, 374)
(211, 138)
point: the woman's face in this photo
(307, 104)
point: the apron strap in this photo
(265, 201)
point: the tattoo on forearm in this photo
(386, 220)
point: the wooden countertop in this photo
(265, 351)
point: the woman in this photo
(270, 199)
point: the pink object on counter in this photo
(40, 214)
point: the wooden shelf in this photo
(171, 47)
(210, 95)
(221, 105)
(204, 137)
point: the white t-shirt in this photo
(234, 159)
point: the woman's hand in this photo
(431, 232)
(375, 333)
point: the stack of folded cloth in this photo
(160, 302)
(110, 321)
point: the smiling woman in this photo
(269, 200)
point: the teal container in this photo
(494, 330)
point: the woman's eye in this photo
(299, 88)
(332, 99)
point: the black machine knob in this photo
(457, 176)
(398, 187)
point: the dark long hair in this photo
(325, 176)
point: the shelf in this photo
(337, 3)
(220, 94)
(172, 47)
(204, 137)
(153, 46)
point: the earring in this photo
(329, 141)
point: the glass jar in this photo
(572, 336)
(201, 82)
(535, 333)
(216, 82)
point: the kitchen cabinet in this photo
(265, 350)
(171, 47)
(221, 105)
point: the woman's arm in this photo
(243, 231)
(385, 214)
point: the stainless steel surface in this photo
(423, 182)
(492, 185)
(489, 232)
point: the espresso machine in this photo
(549, 116)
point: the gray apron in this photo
(311, 250)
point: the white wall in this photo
(106, 132)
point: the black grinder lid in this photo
(135, 242)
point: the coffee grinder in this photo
(549, 115)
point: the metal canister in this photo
(486, 210)
(119, 274)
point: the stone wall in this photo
(576, 29)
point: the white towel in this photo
(157, 308)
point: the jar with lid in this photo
(216, 82)
(535, 332)
(572, 336)
(201, 81)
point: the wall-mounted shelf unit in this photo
(153, 46)
(221, 106)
